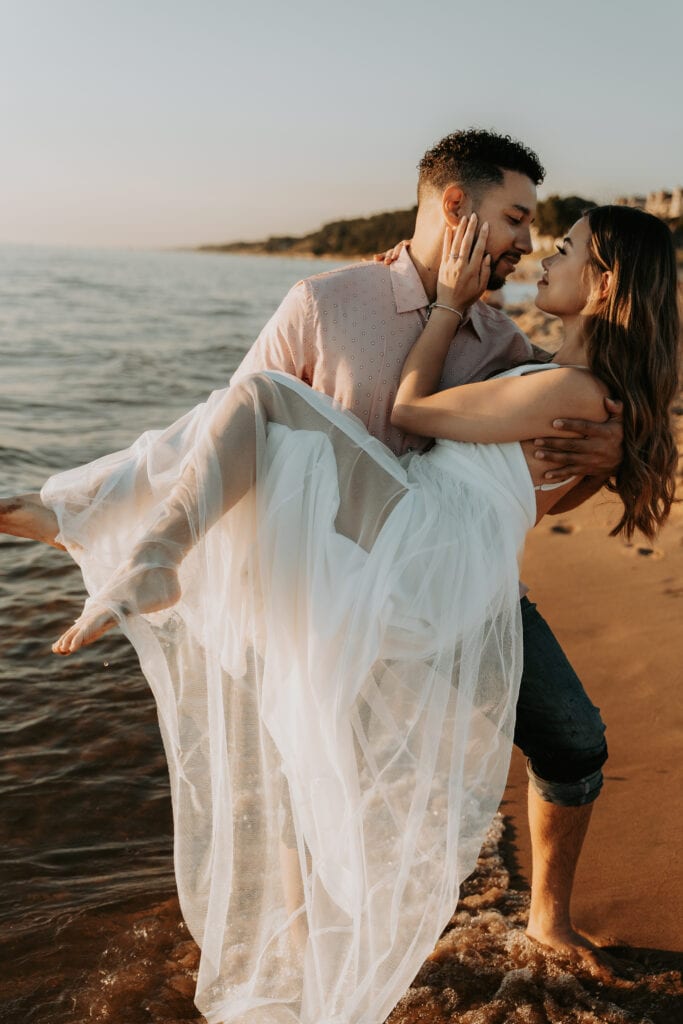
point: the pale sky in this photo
(155, 123)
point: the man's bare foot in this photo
(576, 946)
(134, 589)
(26, 516)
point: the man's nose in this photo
(523, 239)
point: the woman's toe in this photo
(63, 645)
(84, 631)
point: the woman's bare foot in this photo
(135, 589)
(26, 516)
(87, 628)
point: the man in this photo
(347, 333)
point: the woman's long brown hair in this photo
(632, 344)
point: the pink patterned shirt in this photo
(347, 333)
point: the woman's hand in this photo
(463, 276)
(391, 255)
(465, 267)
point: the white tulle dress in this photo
(336, 686)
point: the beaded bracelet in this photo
(451, 309)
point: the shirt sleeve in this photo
(285, 343)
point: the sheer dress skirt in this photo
(336, 685)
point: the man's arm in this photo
(284, 344)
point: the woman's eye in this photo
(515, 220)
(561, 249)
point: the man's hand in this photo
(595, 450)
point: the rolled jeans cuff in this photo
(567, 794)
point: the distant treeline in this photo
(362, 236)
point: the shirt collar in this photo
(475, 319)
(408, 290)
(409, 293)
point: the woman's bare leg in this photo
(24, 515)
(147, 581)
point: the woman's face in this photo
(567, 282)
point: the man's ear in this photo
(453, 203)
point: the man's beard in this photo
(496, 281)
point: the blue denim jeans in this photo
(558, 728)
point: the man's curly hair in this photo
(475, 160)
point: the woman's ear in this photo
(453, 203)
(604, 284)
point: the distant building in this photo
(664, 204)
(636, 201)
(676, 208)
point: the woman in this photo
(336, 651)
